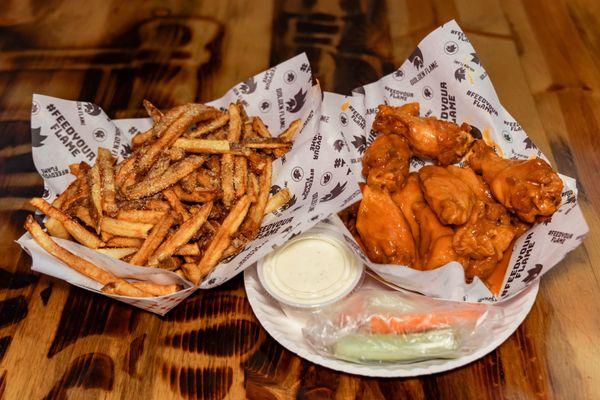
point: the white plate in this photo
(288, 332)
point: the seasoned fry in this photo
(121, 241)
(227, 179)
(219, 242)
(156, 289)
(152, 111)
(78, 232)
(105, 236)
(83, 214)
(95, 196)
(158, 169)
(172, 175)
(209, 146)
(260, 128)
(278, 200)
(290, 133)
(156, 204)
(211, 126)
(144, 216)
(125, 228)
(77, 263)
(199, 196)
(107, 178)
(266, 143)
(154, 239)
(55, 228)
(65, 196)
(170, 263)
(124, 171)
(183, 235)
(117, 252)
(256, 213)
(190, 249)
(176, 204)
(124, 288)
(240, 176)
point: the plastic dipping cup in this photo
(310, 271)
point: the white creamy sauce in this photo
(310, 270)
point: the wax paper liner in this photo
(444, 74)
(316, 170)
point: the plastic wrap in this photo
(379, 326)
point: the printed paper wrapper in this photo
(445, 76)
(316, 170)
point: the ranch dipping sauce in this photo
(312, 270)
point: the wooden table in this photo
(57, 341)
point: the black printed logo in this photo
(475, 58)
(547, 221)
(37, 139)
(459, 74)
(295, 104)
(274, 189)
(290, 203)
(212, 280)
(344, 119)
(398, 75)
(338, 145)
(529, 144)
(305, 67)
(35, 108)
(297, 174)
(46, 193)
(325, 178)
(475, 132)
(92, 109)
(335, 192)
(359, 143)
(427, 93)
(416, 58)
(265, 106)
(99, 134)
(289, 77)
(506, 136)
(533, 273)
(315, 217)
(339, 162)
(450, 48)
(125, 150)
(248, 86)
(359, 90)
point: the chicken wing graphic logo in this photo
(335, 192)
(529, 144)
(248, 86)
(459, 74)
(125, 150)
(450, 48)
(290, 203)
(295, 103)
(92, 109)
(533, 273)
(475, 58)
(274, 189)
(416, 58)
(338, 145)
(359, 143)
(37, 139)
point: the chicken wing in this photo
(450, 198)
(386, 161)
(435, 244)
(405, 199)
(383, 229)
(529, 188)
(442, 141)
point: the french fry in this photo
(265, 143)
(124, 171)
(227, 160)
(95, 196)
(121, 241)
(170, 263)
(107, 177)
(124, 288)
(65, 196)
(74, 262)
(260, 128)
(211, 126)
(152, 111)
(144, 216)
(240, 176)
(290, 133)
(278, 200)
(172, 175)
(79, 170)
(156, 289)
(125, 228)
(159, 127)
(209, 146)
(198, 196)
(182, 235)
(78, 232)
(219, 242)
(55, 228)
(141, 139)
(117, 252)
(189, 183)
(156, 204)
(257, 211)
(105, 236)
(175, 153)
(83, 214)
(191, 259)
(176, 204)
(180, 273)
(158, 169)
(192, 113)
(154, 239)
(190, 249)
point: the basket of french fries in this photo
(147, 210)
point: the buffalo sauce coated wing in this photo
(444, 142)
(386, 161)
(435, 244)
(529, 188)
(384, 231)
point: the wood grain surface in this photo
(58, 341)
